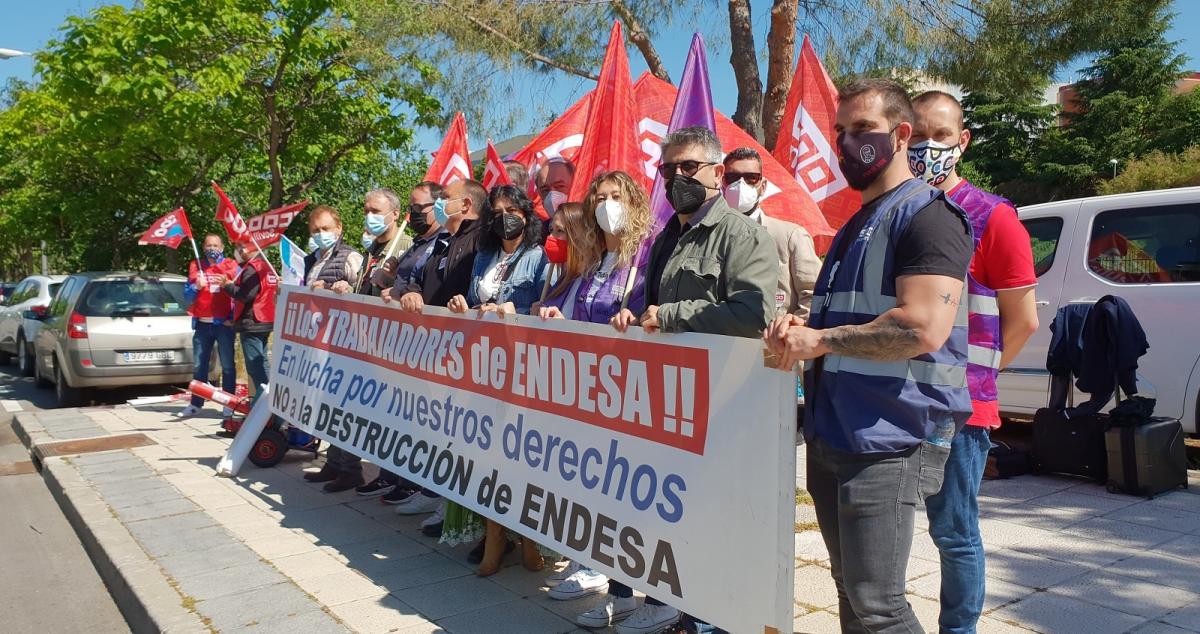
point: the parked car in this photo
(107, 330)
(17, 333)
(6, 290)
(1143, 247)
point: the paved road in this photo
(48, 583)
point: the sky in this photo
(28, 25)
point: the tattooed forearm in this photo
(883, 340)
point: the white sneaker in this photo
(613, 610)
(418, 503)
(437, 517)
(190, 410)
(580, 584)
(648, 619)
(561, 576)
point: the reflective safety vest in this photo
(862, 406)
(985, 343)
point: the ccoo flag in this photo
(452, 161)
(806, 137)
(493, 171)
(693, 108)
(168, 230)
(610, 138)
(229, 217)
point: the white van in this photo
(1143, 247)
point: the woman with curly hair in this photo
(594, 289)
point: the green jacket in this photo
(721, 277)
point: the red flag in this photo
(268, 227)
(561, 138)
(784, 198)
(493, 171)
(452, 161)
(168, 230)
(806, 137)
(228, 215)
(610, 139)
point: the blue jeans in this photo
(954, 525)
(254, 351)
(203, 338)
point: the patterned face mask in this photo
(933, 162)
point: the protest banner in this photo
(493, 170)
(268, 227)
(666, 461)
(169, 230)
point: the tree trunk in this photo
(744, 60)
(641, 39)
(273, 150)
(781, 47)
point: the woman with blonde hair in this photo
(595, 288)
(600, 278)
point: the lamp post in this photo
(1113, 162)
(9, 53)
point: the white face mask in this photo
(933, 162)
(742, 196)
(552, 200)
(610, 215)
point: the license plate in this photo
(149, 356)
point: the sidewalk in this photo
(185, 551)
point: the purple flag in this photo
(693, 107)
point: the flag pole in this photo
(265, 257)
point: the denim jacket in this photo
(523, 285)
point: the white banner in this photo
(667, 461)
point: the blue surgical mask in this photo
(312, 243)
(368, 240)
(325, 239)
(376, 224)
(439, 212)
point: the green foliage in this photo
(138, 109)
(1157, 170)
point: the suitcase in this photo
(1070, 445)
(1006, 461)
(1146, 459)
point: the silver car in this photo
(107, 330)
(17, 333)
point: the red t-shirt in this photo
(1003, 261)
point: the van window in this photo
(133, 297)
(1151, 245)
(1044, 234)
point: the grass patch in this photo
(807, 526)
(803, 498)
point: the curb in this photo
(141, 592)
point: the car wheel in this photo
(24, 356)
(5, 358)
(39, 380)
(67, 396)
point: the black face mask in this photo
(419, 223)
(507, 226)
(685, 193)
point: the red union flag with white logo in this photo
(168, 230)
(493, 171)
(229, 217)
(805, 145)
(267, 228)
(452, 161)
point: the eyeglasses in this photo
(689, 168)
(417, 208)
(751, 178)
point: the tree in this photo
(138, 109)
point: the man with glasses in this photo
(711, 270)
(799, 265)
(382, 212)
